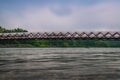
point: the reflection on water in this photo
(60, 64)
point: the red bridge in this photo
(60, 35)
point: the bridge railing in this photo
(60, 35)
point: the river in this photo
(59, 63)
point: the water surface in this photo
(60, 64)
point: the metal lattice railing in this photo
(61, 35)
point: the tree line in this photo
(4, 30)
(60, 43)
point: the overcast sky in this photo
(61, 15)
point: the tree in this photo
(3, 30)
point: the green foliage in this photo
(61, 43)
(3, 30)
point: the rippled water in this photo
(60, 64)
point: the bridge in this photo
(60, 35)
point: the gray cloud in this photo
(97, 17)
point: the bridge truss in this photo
(60, 35)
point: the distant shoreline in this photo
(60, 44)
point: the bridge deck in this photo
(60, 35)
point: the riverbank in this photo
(60, 43)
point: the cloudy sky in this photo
(61, 15)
